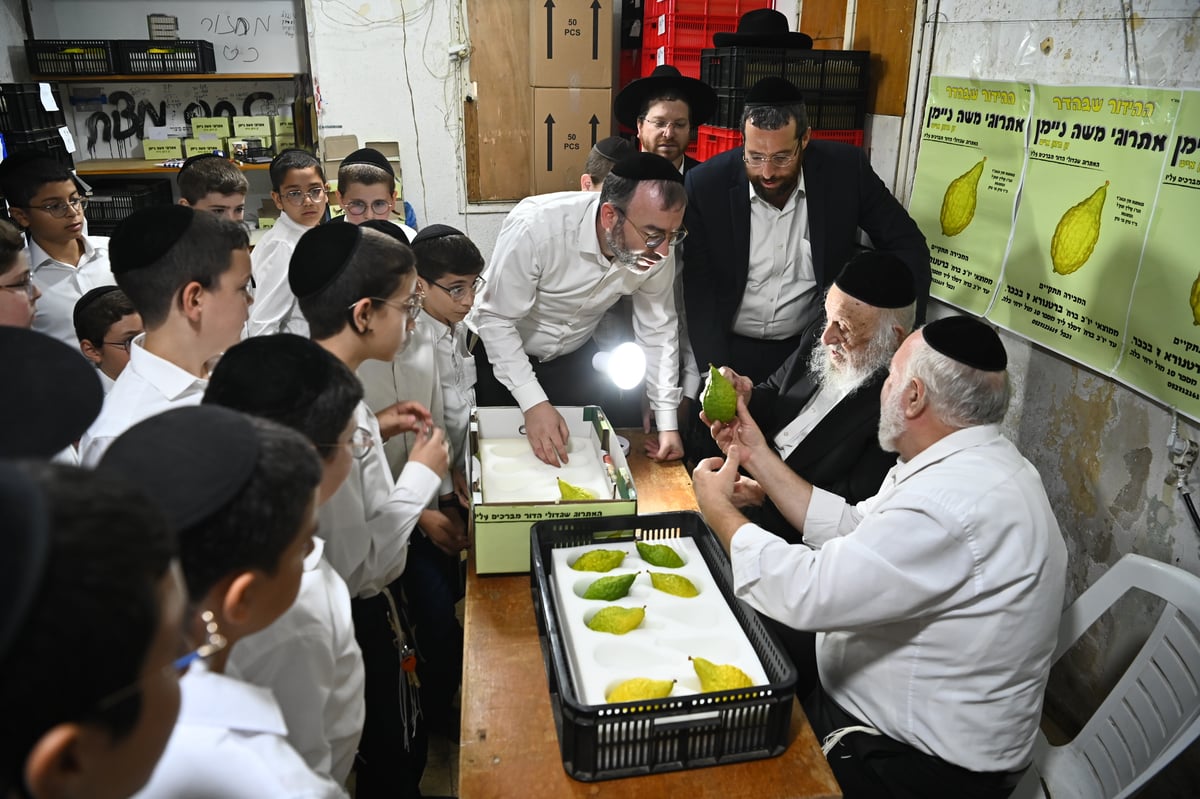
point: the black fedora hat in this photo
(700, 97)
(763, 27)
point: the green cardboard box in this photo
(162, 149)
(252, 127)
(203, 145)
(220, 127)
(284, 128)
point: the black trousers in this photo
(879, 767)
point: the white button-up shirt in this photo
(549, 284)
(63, 284)
(310, 660)
(275, 308)
(939, 598)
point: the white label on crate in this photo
(158, 132)
(662, 26)
(49, 102)
(661, 57)
(67, 138)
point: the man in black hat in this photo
(665, 108)
(772, 224)
(764, 27)
(936, 601)
(560, 262)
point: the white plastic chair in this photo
(1151, 715)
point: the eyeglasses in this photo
(654, 238)
(297, 197)
(63, 210)
(214, 643)
(779, 159)
(125, 344)
(25, 284)
(360, 443)
(457, 293)
(411, 307)
(359, 207)
(664, 124)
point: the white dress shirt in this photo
(63, 284)
(939, 598)
(275, 308)
(818, 406)
(310, 660)
(230, 743)
(367, 523)
(549, 284)
(148, 386)
(781, 287)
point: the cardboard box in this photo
(252, 127)
(162, 149)
(571, 44)
(335, 148)
(501, 529)
(566, 123)
(204, 145)
(220, 127)
(282, 127)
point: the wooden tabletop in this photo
(509, 744)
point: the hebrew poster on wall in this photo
(968, 177)
(1095, 155)
(1162, 349)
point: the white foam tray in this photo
(510, 472)
(674, 628)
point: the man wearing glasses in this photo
(773, 222)
(560, 262)
(665, 107)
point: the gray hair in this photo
(960, 395)
(903, 318)
(774, 117)
(619, 191)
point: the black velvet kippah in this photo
(49, 397)
(193, 159)
(320, 256)
(967, 340)
(191, 461)
(431, 232)
(647, 166)
(879, 279)
(773, 91)
(614, 148)
(387, 228)
(26, 550)
(367, 155)
(270, 375)
(147, 235)
(87, 299)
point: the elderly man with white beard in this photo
(937, 601)
(560, 261)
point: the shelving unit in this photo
(131, 166)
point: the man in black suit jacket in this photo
(724, 291)
(665, 108)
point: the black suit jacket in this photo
(843, 195)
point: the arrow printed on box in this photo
(595, 123)
(595, 31)
(549, 28)
(549, 142)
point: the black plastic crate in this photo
(69, 56)
(626, 739)
(113, 199)
(164, 57)
(838, 71)
(825, 111)
(46, 141)
(21, 108)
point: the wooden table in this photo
(509, 744)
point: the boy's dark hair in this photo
(99, 310)
(94, 618)
(12, 243)
(253, 529)
(447, 255)
(363, 175)
(202, 254)
(288, 160)
(374, 269)
(23, 175)
(210, 173)
(290, 380)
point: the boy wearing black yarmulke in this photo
(106, 324)
(213, 183)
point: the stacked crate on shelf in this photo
(834, 84)
(113, 199)
(25, 124)
(676, 31)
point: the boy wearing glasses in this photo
(18, 293)
(188, 275)
(309, 657)
(299, 191)
(44, 200)
(211, 182)
(367, 190)
(106, 323)
(241, 494)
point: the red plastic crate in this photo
(728, 8)
(685, 59)
(685, 30)
(711, 140)
(629, 67)
(854, 137)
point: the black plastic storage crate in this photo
(626, 739)
(47, 141)
(825, 111)
(113, 199)
(843, 71)
(21, 108)
(69, 57)
(164, 57)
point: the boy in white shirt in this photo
(299, 191)
(213, 183)
(308, 657)
(44, 200)
(241, 493)
(188, 275)
(106, 323)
